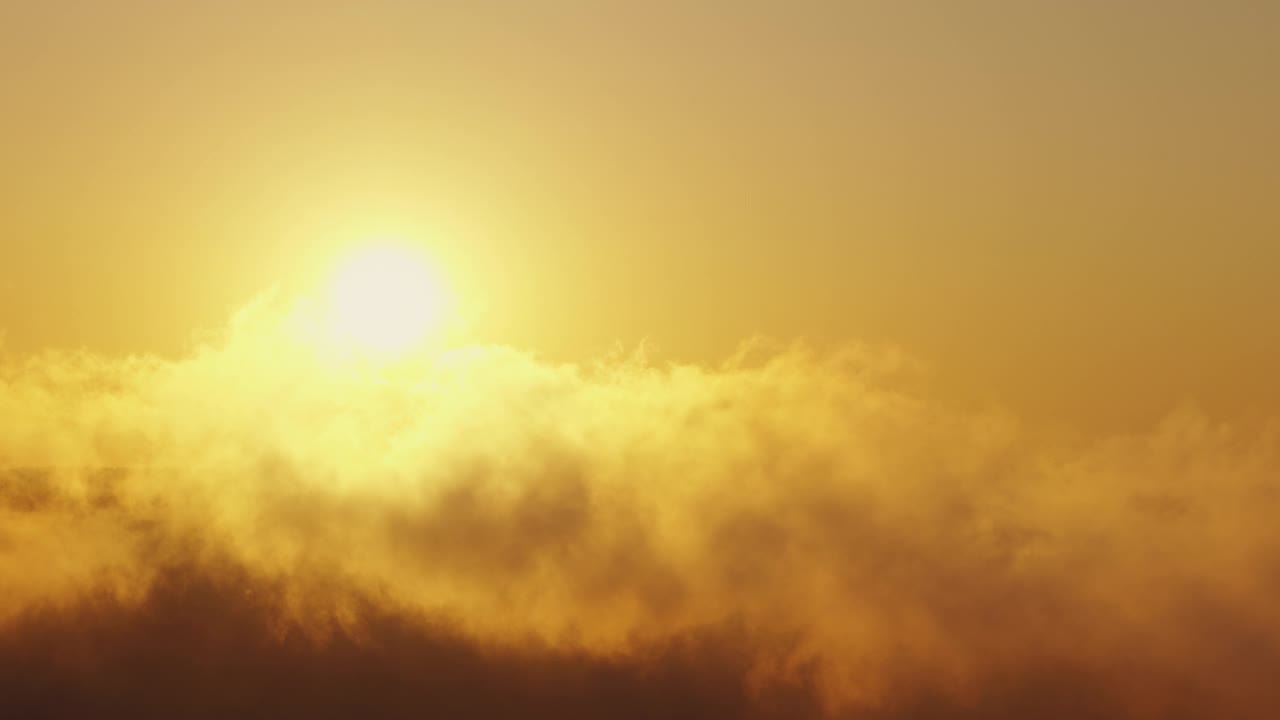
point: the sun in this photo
(386, 300)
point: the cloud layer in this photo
(267, 527)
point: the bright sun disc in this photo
(386, 300)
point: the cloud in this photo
(265, 525)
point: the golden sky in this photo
(785, 359)
(1039, 199)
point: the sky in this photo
(1039, 199)
(801, 359)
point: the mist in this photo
(266, 527)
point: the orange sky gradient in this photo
(1041, 200)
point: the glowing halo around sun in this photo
(385, 300)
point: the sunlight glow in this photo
(386, 300)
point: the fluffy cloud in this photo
(473, 531)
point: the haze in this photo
(800, 359)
